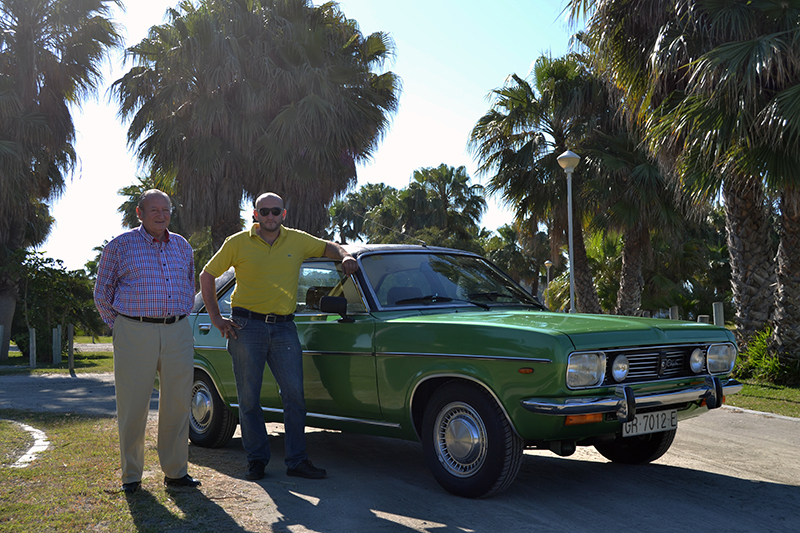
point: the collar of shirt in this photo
(254, 232)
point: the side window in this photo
(225, 301)
(322, 278)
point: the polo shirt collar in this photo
(254, 232)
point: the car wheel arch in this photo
(425, 388)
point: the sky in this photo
(450, 54)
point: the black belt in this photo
(270, 319)
(167, 320)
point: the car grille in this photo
(654, 363)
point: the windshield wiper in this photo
(435, 298)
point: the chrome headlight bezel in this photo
(720, 358)
(586, 370)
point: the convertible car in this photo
(440, 346)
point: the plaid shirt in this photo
(139, 276)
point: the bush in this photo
(758, 363)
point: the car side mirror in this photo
(335, 304)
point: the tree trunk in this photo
(786, 317)
(8, 304)
(752, 256)
(631, 283)
(586, 300)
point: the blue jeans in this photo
(278, 346)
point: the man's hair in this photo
(150, 192)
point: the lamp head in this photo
(569, 160)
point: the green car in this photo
(441, 346)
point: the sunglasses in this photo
(264, 211)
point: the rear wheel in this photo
(211, 423)
(637, 450)
(469, 445)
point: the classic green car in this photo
(440, 346)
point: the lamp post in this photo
(568, 161)
(547, 265)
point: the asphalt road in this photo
(728, 470)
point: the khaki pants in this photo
(140, 350)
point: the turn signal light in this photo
(576, 420)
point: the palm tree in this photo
(517, 143)
(451, 202)
(637, 200)
(237, 97)
(50, 57)
(715, 85)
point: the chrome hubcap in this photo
(202, 407)
(460, 439)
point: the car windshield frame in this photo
(439, 279)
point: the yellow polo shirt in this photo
(266, 275)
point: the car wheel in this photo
(637, 450)
(211, 423)
(469, 444)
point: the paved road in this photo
(727, 470)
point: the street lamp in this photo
(568, 161)
(547, 265)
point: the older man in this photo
(267, 260)
(144, 290)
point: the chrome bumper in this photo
(625, 402)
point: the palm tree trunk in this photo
(586, 300)
(8, 304)
(786, 317)
(751, 255)
(629, 296)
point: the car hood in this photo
(585, 331)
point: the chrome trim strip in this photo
(350, 354)
(610, 404)
(466, 356)
(215, 348)
(336, 418)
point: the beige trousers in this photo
(141, 350)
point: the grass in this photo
(84, 362)
(74, 486)
(85, 339)
(768, 398)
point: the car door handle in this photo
(204, 328)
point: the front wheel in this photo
(637, 450)
(211, 423)
(468, 443)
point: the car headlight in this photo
(697, 361)
(619, 368)
(586, 369)
(720, 358)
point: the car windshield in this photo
(424, 279)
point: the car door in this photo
(209, 345)
(338, 355)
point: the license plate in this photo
(645, 423)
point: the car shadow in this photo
(381, 484)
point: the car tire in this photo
(211, 423)
(468, 443)
(637, 450)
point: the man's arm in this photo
(335, 251)
(209, 290)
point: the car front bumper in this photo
(625, 402)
